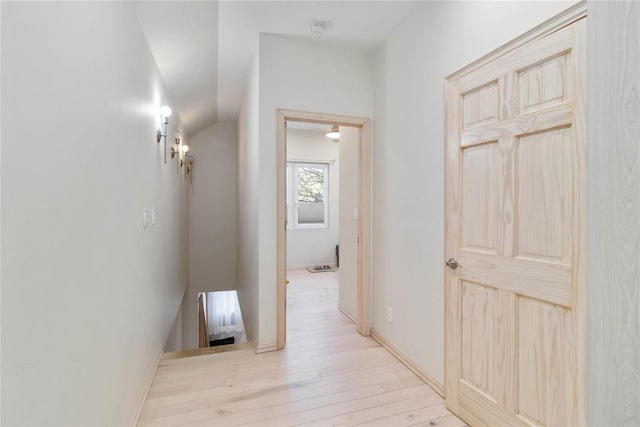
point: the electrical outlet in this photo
(389, 315)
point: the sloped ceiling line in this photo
(204, 49)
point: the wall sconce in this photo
(179, 147)
(165, 112)
(184, 156)
(188, 171)
(185, 150)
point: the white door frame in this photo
(364, 214)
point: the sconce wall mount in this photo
(188, 171)
(165, 112)
(179, 147)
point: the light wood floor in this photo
(328, 375)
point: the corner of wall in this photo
(153, 368)
(247, 205)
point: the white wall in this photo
(174, 340)
(297, 75)
(349, 181)
(248, 188)
(408, 160)
(315, 246)
(613, 272)
(212, 220)
(0, 218)
(88, 294)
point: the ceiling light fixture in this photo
(334, 133)
(315, 27)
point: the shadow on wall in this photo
(223, 318)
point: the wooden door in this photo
(515, 212)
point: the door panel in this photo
(478, 326)
(546, 368)
(480, 195)
(480, 106)
(544, 84)
(514, 209)
(544, 174)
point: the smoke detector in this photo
(315, 27)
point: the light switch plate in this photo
(153, 216)
(145, 217)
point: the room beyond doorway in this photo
(357, 217)
(314, 183)
(322, 204)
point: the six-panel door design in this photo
(515, 201)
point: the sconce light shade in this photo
(334, 133)
(184, 148)
(165, 111)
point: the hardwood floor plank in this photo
(423, 415)
(327, 374)
(272, 411)
(204, 357)
(314, 350)
(377, 412)
(446, 421)
(323, 367)
(272, 397)
(150, 412)
(344, 407)
(224, 394)
(402, 383)
(182, 387)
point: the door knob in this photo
(452, 263)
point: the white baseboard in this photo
(428, 379)
(152, 374)
(349, 314)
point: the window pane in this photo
(310, 195)
(311, 213)
(310, 184)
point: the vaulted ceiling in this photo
(204, 49)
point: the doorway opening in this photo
(220, 319)
(323, 207)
